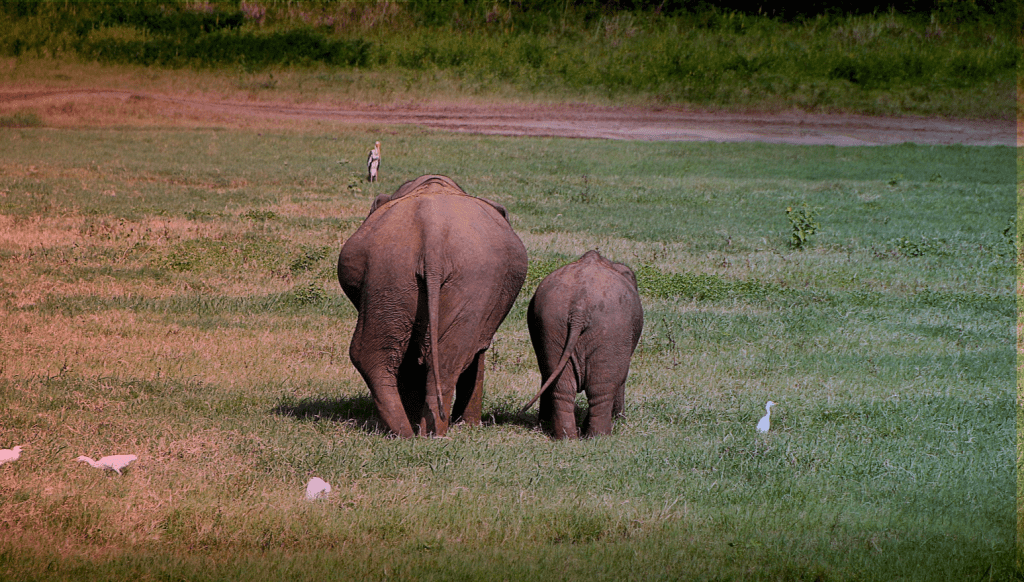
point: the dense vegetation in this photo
(953, 58)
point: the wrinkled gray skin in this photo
(585, 321)
(433, 272)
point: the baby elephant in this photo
(585, 321)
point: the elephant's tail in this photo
(433, 285)
(575, 328)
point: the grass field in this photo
(172, 293)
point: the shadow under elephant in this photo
(360, 411)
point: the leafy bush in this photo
(804, 224)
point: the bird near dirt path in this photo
(373, 163)
(763, 424)
(7, 455)
(111, 463)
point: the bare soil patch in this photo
(77, 107)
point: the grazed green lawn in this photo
(171, 293)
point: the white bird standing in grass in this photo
(317, 488)
(111, 463)
(10, 454)
(762, 425)
(373, 163)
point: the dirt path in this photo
(669, 124)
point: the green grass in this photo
(171, 293)
(927, 63)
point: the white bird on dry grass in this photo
(10, 454)
(111, 463)
(763, 424)
(373, 163)
(317, 488)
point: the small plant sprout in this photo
(765, 422)
(317, 488)
(9, 454)
(804, 222)
(111, 463)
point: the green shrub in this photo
(804, 224)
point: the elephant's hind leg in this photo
(389, 404)
(430, 423)
(619, 408)
(603, 404)
(383, 383)
(561, 405)
(469, 393)
(412, 377)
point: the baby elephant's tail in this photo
(575, 327)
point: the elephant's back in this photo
(594, 292)
(593, 275)
(467, 228)
(436, 225)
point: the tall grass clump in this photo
(924, 61)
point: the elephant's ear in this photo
(379, 201)
(626, 272)
(498, 207)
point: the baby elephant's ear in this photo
(499, 208)
(625, 272)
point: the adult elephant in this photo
(432, 272)
(585, 321)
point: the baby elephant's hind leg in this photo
(561, 405)
(605, 403)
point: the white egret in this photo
(373, 163)
(10, 454)
(762, 425)
(111, 463)
(317, 488)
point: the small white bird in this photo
(317, 488)
(10, 454)
(762, 425)
(373, 163)
(111, 463)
